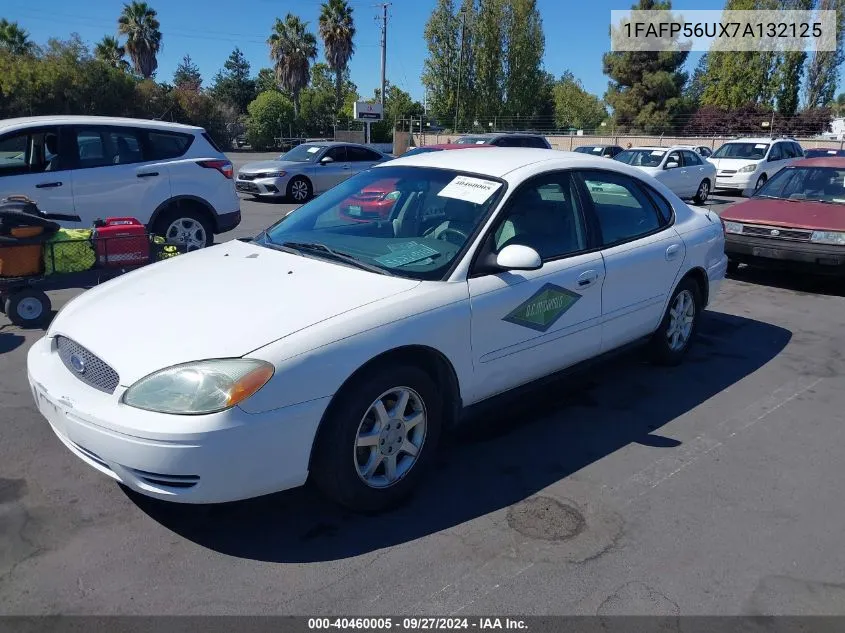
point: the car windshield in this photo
(746, 151)
(420, 150)
(819, 153)
(641, 157)
(415, 231)
(302, 153)
(473, 140)
(821, 184)
(589, 149)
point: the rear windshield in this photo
(641, 157)
(164, 145)
(746, 151)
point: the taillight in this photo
(223, 166)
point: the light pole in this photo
(460, 64)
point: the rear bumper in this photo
(228, 221)
(815, 258)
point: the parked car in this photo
(439, 147)
(679, 168)
(505, 139)
(796, 220)
(608, 151)
(308, 169)
(823, 152)
(171, 177)
(701, 150)
(375, 201)
(746, 164)
(496, 269)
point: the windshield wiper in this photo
(338, 255)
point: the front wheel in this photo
(672, 339)
(703, 192)
(378, 438)
(28, 308)
(299, 189)
(760, 182)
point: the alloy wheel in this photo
(681, 320)
(187, 231)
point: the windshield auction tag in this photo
(408, 253)
(473, 190)
(313, 150)
(760, 146)
(658, 152)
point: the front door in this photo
(642, 253)
(327, 175)
(527, 324)
(32, 164)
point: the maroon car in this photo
(796, 220)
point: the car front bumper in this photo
(771, 253)
(263, 187)
(214, 458)
(735, 181)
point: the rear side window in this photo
(126, 146)
(776, 153)
(691, 158)
(211, 142)
(164, 145)
(534, 141)
(91, 148)
(361, 154)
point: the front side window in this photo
(545, 215)
(776, 153)
(337, 154)
(622, 209)
(691, 158)
(674, 157)
(304, 153)
(424, 225)
(127, 146)
(744, 151)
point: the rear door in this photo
(674, 177)
(113, 175)
(696, 171)
(32, 164)
(361, 158)
(642, 253)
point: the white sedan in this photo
(341, 348)
(680, 168)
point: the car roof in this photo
(500, 134)
(449, 146)
(821, 161)
(762, 139)
(497, 162)
(67, 119)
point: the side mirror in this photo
(325, 160)
(671, 165)
(518, 257)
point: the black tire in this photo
(334, 469)
(164, 225)
(300, 189)
(733, 267)
(661, 351)
(703, 192)
(760, 182)
(28, 308)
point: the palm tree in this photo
(292, 48)
(337, 30)
(139, 24)
(14, 39)
(110, 51)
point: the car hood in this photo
(270, 165)
(220, 302)
(788, 213)
(731, 163)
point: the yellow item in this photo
(72, 251)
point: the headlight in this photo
(733, 227)
(200, 387)
(747, 169)
(273, 174)
(828, 237)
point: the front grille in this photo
(727, 171)
(87, 366)
(777, 233)
(248, 176)
(246, 186)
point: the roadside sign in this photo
(367, 111)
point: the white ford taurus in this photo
(342, 346)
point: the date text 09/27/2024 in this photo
(416, 624)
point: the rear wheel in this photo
(378, 438)
(733, 267)
(186, 226)
(28, 308)
(673, 338)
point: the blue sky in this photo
(208, 30)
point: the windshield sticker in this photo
(831, 151)
(313, 150)
(543, 308)
(473, 190)
(479, 142)
(597, 149)
(658, 152)
(412, 252)
(760, 146)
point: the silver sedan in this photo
(306, 170)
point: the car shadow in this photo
(497, 460)
(801, 283)
(10, 341)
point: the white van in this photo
(745, 164)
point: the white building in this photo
(837, 129)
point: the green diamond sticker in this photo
(544, 307)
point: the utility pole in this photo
(460, 64)
(384, 6)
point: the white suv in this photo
(747, 163)
(171, 177)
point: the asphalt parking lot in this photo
(712, 488)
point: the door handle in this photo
(587, 278)
(48, 185)
(672, 252)
(147, 174)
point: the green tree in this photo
(265, 81)
(823, 72)
(645, 88)
(233, 85)
(489, 43)
(269, 114)
(838, 107)
(138, 22)
(337, 28)
(14, 39)
(398, 105)
(696, 85)
(109, 51)
(187, 75)
(524, 58)
(574, 106)
(292, 49)
(440, 66)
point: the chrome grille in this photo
(728, 171)
(777, 233)
(248, 176)
(91, 370)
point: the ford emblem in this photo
(775, 232)
(77, 363)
